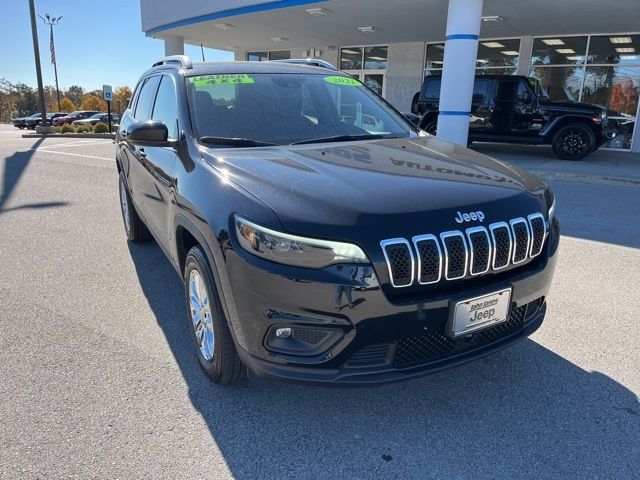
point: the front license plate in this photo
(480, 312)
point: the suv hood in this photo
(571, 106)
(402, 186)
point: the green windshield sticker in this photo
(340, 80)
(226, 79)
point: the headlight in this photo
(289, 249)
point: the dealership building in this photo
(579, 50)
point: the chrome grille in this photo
(456, 254)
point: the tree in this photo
(66, 105)
(92, 102)
(121, 95)
(75, 93)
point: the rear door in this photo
(502, 108)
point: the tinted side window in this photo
(480, 91)
(432, 92)
(166, 106)
(523, 96)
(145, 99)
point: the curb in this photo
(589, 179)
(110, 136)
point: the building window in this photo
(598, 69)
(495, 57)
(272, 55)
(367, 63)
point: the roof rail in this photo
(313, 62)
(182, 60)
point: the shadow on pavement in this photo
(524, 412)
(14, 167)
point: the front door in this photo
(158, 187)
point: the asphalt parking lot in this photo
(99, 379)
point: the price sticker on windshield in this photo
(340, 80)
(226, 79)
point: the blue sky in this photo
(97, 42)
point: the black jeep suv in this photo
(320, 236)
(516, 109)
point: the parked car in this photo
(34, 121)
(516, 109)
(21, 121)
(327, 247)
(98, 117)
(77, 115)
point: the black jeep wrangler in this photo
(517, 109)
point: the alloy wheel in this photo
(200, 312)
(574, 142)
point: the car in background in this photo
(73, 116)
(33, 121)
(20, 121)
(517, 109)
(98, 117)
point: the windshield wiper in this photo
(234, 141)
(341, 138)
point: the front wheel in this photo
(573, 142)
(209, 330)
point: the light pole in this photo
(36, 53)
(51, 21)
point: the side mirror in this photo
(152, 133)
(412, 118)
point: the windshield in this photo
(289, 108)
(97, 115)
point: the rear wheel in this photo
(209, 330)
(134, 227)
(573, 141)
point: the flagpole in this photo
(55, 70)
(51, 21)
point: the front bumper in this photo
(369, 337)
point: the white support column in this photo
(460, 54)
(173, 46)
(524, 55)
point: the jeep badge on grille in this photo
(470, 217)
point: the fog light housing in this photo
(283, 332)
(303, 341)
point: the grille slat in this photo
(429, 259)
(399, 260)
(501, 237)
(538, 231)
(480, 247)
(521, 239)
(454, 254)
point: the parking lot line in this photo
(42, 150)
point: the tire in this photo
(213, 343)
(134, 228)
(573, 141)
(431, 127)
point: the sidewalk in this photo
(602, 167)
